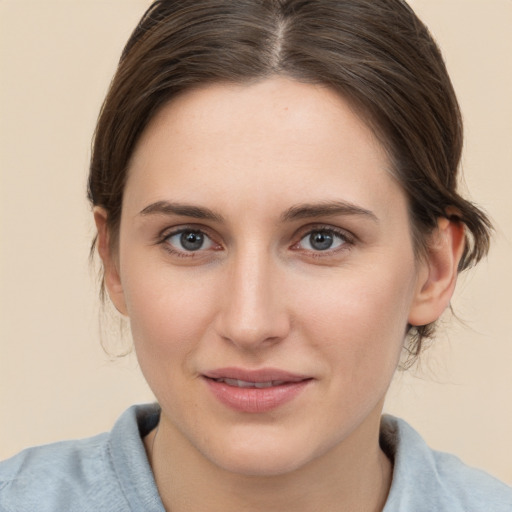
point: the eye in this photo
(189, 240)
(322, 240)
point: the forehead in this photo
(270, 143)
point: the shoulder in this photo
(57, 476)
(426, 480)
(105, 472)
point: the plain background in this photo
(57, 58)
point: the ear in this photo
(112, 279)
(438, 275)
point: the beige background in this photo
(57, 58)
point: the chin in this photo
(263, 454)
(252, 464)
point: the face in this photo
(266, 266)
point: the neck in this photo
(355, 476)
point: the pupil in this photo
(191, 241)
(320, 241)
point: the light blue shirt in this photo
(110, 472)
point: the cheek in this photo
(359, 320)
(169, 314)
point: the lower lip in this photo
(256, 400)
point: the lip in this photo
(284, 388)
(261, 375)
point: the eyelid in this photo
(169, 231)
(343, 232)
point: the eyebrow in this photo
(297, 212)
(185, 210)
(307, 211)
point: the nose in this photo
(253, 312)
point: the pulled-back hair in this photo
(375, 53)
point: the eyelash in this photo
(346, 238)
(163, 240)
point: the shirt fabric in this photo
(110, 472)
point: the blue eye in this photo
(189, 240)
(322, 240)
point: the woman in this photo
(274, 189)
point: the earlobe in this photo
(438, 275)
(112, 280)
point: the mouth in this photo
(246, 384)
(255, 391)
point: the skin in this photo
(258, 294)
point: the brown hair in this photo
(376, 53)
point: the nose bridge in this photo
(253, 311)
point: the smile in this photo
(246, 384)
(255, 391)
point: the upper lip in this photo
(260, 375)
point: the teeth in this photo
(263, 384)
(245, 384)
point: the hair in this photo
(375, 53)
